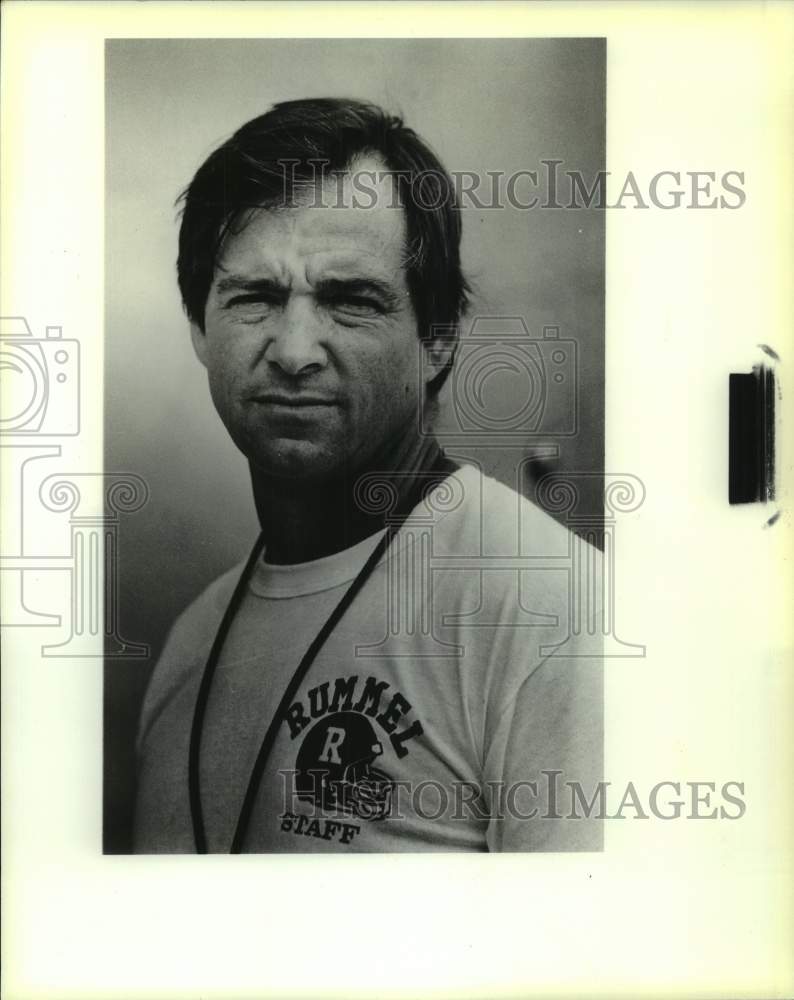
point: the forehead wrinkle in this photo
(301, 244)
(242, 272)
(341, 266)
(351, 238)
(353, 250)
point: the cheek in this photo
(223, 386)
(405, 372)
(225, 366)
(387, 395)
(385, 382)
(401, 360)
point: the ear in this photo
(439, 350)
(199, 339)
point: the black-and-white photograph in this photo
(354, 359)
(396, 495)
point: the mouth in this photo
(293, 402)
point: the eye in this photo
(258, 299)
(355, 305)
(252, 308)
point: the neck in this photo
(302, 521)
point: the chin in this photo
(301, 461)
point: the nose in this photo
(296, 346)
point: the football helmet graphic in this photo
(334, 767)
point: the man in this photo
(375, 678)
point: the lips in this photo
(297, 401)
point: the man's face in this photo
(310, 339)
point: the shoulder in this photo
(505, 581)
(187, 646)
(497, 519)
(509, 557)
(202, 616)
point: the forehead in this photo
(350, 223)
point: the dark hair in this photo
(317, 136)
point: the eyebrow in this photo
(327, 286)
(239, 284)
(359, 286)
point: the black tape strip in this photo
(751, 442)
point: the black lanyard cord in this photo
(440, 469)
(194, 789)
(294, 684)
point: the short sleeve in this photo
(544, 761)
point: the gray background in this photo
(483, 105)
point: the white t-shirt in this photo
(438, 715)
